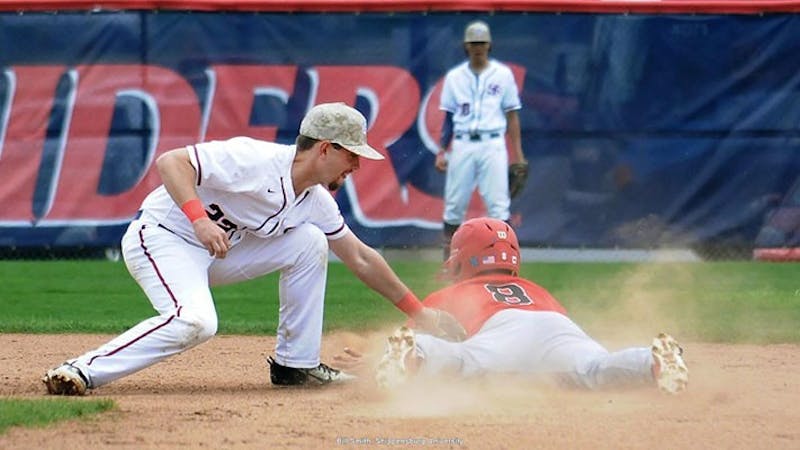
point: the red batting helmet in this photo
(480, 245)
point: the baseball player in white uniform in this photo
(480, 100)
(231, 211)
(515, 326)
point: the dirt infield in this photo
(217, 396)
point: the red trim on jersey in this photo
(123, 347)
(155, 267)
(336, 231)
(199, 168)
(305, 196)
(475, 300)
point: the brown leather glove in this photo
(517, 177)
(441, 324)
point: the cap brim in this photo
(365, 151)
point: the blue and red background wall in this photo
(645, 125)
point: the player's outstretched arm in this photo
(370, 267)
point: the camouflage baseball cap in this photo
(340, 124)
(477, 31)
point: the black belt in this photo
(477, 136)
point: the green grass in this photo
(40, 412)
(720, 301)
(716, 301)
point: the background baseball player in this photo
(480, 101)
(515, 326)
(234, 210)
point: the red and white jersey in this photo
(475, 300)
(246, 187)
(479, 103)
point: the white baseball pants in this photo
(537, 343)
(477, 163)
(176, 276)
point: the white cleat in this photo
(392, 370)
(670, 370)
(65, 379)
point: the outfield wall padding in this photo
(643, 130)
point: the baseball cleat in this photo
(670, 370)
(392, 370)
(315, 376)
(65, 379)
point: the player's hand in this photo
(441, 161)
(212, 237)
(440, 324)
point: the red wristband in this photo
(194, 210)
(409, 304)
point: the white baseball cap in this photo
(477, 31)
(340, 124)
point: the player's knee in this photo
(198, 329)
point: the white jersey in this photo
(260, 170)
(479, 157)
(479, 103)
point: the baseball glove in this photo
(448, 327)
(517, 177)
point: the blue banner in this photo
(641, 130)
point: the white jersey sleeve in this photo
(511, 101)
(235, 165)
(325, 214)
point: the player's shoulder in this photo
(247, 143)
(533, 287)
(244, 141)
(258, 144)
(271, 159)
(320, 191)
(500, 67)
(460, 69)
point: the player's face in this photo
(342, 163)
(477, 51)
